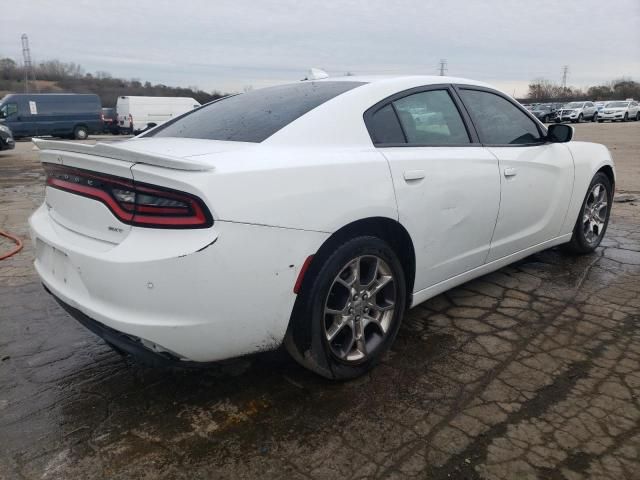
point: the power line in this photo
(565, 71)
(443, 66)
(26, 55)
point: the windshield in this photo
(253, 116)
(574, 105)
(617, 104)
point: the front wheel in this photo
(595, 117)
(626, 117)
(350, 311)
(580, 117)
(594, 216)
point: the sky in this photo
(231, 45)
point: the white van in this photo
(136, 114)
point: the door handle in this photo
(510, 172)
(410, 175)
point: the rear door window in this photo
(431, 118)
(253, 116)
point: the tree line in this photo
(70, 77)
(542, 90)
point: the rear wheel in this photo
(80, 133)
(594, 216)
(349, 313)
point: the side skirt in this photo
(438, 288)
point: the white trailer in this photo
(136, 114)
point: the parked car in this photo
(577, 112)
(620, 111)
(6, 138)
(544, 112)
(66, 115)
(311, 214)
(599, 106)
(136, 114)
(110, 121)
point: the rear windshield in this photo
(253, 116)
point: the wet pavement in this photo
(530, 372)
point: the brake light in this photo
(133, 203)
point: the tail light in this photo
(133, 203)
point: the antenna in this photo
(26, 55)
(316, 74)
(565, 71)
(443, 66)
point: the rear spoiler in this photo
(122, 153)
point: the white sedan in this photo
(620, 111)
(312, 215)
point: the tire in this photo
(580, 118)
(595, 117)
(328, 343)
(586, 238)
(626, 117)
(638, 117)
(80, 133)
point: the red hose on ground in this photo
(15, 250)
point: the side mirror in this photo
(559, 133)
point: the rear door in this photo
(536, 177)
(447, 185)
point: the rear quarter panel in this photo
(320, 189)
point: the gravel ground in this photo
(530, 372)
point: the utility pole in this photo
(565, 71)
(26, 55)
(443, 66)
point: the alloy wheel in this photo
(594, 214)
(359, 308)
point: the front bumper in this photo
(7, 143)
(197, 295)
(611, 116)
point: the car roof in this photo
(417, 80)
(339, 121)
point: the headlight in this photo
(5, 129)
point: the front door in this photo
(536, 177)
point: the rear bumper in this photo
(197, 295)
(127, 343)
